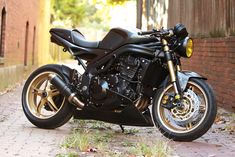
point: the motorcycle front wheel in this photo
(192, 117)
(42, 103)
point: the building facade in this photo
(212, 25)
(20, 37)
(203, 18)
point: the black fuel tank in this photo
(118, 37)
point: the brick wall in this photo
(12, 65)
(215, 59)
(17, 15)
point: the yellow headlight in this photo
(189, 48)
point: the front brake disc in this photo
(189, 110)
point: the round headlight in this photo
(189, 48)
(186, 48)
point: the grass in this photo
(83, 140)
(159, 149)
(132, 131)
(111, 143)
(232, 118)
(91, 124)
(127, 144)
(72, 154)
(77, 140)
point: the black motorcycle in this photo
(125, 74)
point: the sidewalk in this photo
(19, 137)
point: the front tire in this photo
(42, 103)
(191, 121)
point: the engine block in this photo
(124, 78)
(128, 66)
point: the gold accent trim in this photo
(177, 96)
(164, 42)
(166, 48)
(178, 67)
(142, 103)
(41, 96)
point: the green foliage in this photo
(82, 140)
(132, 131)
(80, 13)
(72, 154)
(107, 141)
(78, 141)
(127, 144)
(160, 149)
(115, 2)
(75, 11)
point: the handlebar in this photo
(155, 32)
(147, 32)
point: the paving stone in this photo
(18, 137)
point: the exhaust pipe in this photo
(65, 90)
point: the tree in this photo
(94, 13)
(114, 2)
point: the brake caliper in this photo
(169, 102)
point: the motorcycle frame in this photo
(98, 57)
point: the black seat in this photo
(80, 40)
(75, 37)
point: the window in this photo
(34, 38)
(26, 43)
(3, 30)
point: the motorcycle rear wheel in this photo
(42, 103)
(191, 121)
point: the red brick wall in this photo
(18, 12)
(215, 59)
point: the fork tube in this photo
(171, 68)
(173, 77)
(178, 68)
(178, 65)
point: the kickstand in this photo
(122, 128)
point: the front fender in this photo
(184, 77)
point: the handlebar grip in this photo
(146, 32)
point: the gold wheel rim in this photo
(167, 123)
(42, 98)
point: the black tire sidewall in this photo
(202, 128)
(65, 112)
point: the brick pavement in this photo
(18, 137)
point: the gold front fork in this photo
(178, 67)
(171, 67)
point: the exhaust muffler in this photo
(65, 90)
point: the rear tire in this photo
(42, 103)
(189, 133)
